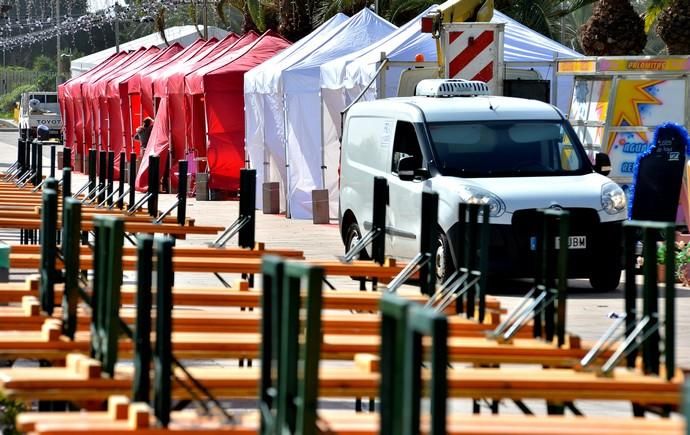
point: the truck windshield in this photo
(507, 148)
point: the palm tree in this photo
(672, 19)
(614, 29)
(397, 12)
(552, 18)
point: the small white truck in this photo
(516, 155)
(38, 108)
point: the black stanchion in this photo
(154, 182)
(111, 177)
(102, 173)
(66, 182)
(66, 157)
(182, 193)
(52, 161)
(121, 183)
(132, 177)
(92, 173)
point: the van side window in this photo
(406, 145)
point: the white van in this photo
(514, 154)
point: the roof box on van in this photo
(451, 88)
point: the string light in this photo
(37, 30)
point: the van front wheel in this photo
(444, 259)
(352, 237)
(605, 279)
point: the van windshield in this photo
(507, 148)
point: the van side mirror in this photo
(602, 163)
(408, 169)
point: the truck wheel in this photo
(605, 279)
(353, 236)
(444, 259)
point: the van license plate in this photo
(574, 242)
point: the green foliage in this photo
(7, 100)
(45, 64)
(9, 409)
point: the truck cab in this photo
(39, 108)
(516, 155)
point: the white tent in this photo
(263, 114)
(301, 85)
(344, 78)
(184, 35)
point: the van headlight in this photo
(613, 199)
(475, 195)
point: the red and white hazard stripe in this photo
(471, 55)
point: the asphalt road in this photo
(587, 311)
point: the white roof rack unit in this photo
(451, 88)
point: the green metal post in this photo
(71, 226)
(471, 255)
(460, 242)
(484, 240)
(393, 341)
(163, 358)
(48, 250)
(630, 242)
(107, 282)
(272, 276)
(425, 322)
(142, 334)
(650, 346)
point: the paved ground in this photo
(586, 314)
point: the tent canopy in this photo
(184, 35)
(301, 87)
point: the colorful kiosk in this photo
(618, 101)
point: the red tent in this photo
(69, 95)
(149, 105)
(120, 126)
(222, 85)
(175, 100)
(83, 113)
(136, 82)
(95, 119)
(111, 127)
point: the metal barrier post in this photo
(71, 226)
(106, 290)
(378, 221)
(163, 357)
(298, 364)
(52, 161)
(21, 155)
(38, 158)
(154, 183)
(66, 182)
(246, 235)
(630, 244)
(429, 242)
(182, 193)
(393, 342)
(142, 334)
(425, 322)
(132, 172)
(102, 174)
(111, 178)
(121, 182)
(66, 157)
(92, 173)
(48, 250)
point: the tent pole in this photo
(287, 159)
(267, 162)
(323, 149)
